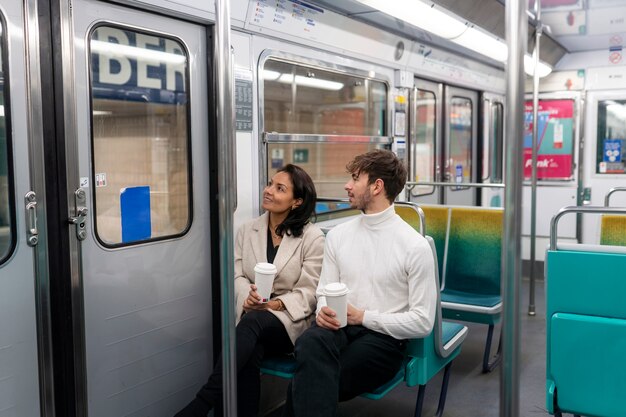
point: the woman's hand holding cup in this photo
(253, 302)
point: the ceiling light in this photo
(422, 15)
(529, 67)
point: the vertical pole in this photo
(533, 178)
(226, 147)
(516, 35)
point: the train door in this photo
(22, 241)
(138, 174)
(425, 141)
(460, 145)
(604, 164)
(491, 149)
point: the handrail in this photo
(273, 137)
(607, 197)
(578, 209)
(415, 206)
(226, 199)
(411, 184)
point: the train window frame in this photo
(188, 141)
(267, 139)
(415, 190)
(6, 90)
(447, 170)
(601, 141)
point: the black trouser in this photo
(335, 366)
(258, 333)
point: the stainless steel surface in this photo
(39, 238)
(291, 138)
(512, 260)
(80, 219)
(32, 235)
(71, 156)
(607, 197)
(533, 176)
(226, 138)
(411, 184)
(578, 209)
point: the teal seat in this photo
(425, 357)
(471, 282)
(586, 330)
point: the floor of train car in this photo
(470, 393)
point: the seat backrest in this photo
(585, 331)
(437, 222)
(473, 256)
(613, 230)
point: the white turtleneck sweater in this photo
(389, 270)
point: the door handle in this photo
(81, 214)
(31, 218)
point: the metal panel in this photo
(146, 307)
(19, 374)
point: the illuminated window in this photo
(339, 111)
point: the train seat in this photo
(425, 357)
(585, 330)
(613, 230)
(438, 224)
(471, 282)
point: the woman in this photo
(282, 236)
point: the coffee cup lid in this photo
(335, 289)
(265, 268)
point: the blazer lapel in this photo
(259, 238)
(286, 250)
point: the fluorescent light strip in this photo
(429, 18)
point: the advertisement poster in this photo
(555, 139)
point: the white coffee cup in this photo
(337, 299)
(264, 275)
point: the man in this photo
(389, 270)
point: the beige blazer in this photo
(298, 263)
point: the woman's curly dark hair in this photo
(303, 188)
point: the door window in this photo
(611, 137)
(140, 136)
(7, 221)
(459, 156)
(424, 145)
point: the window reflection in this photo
(140, 135)
(301, 100)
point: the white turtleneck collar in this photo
(373, 220)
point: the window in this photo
(611, 139)
(496, 142)
(140, 136)
(424, 142)
(458, 164)
(341, 115)
(7, 216)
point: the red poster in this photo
(548, 166)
